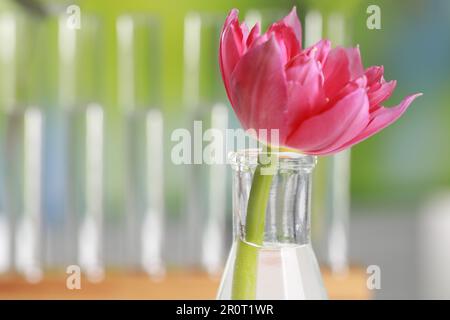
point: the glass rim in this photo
(284, 159)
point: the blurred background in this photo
(91, 91)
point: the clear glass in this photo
(286, 264)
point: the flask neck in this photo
(287, 216)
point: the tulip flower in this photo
(321, 99)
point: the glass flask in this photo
(285, 266)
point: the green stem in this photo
(244, 280)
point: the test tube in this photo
(8, 36)
(214, 240)
(202, 90)
(152, 234)
(28, 244)
(138, 39)
(90, 237)
(339, 175)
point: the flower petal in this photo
(351, 86)
(333, 127)
(302, 100)
(259, 89)
(254, 34)
(292, 21)
(245, 32)
(303, 69)
(381, 119)
(341, 66)
(336, 71)
(355, 63)
(376, 97)
(305, 82)
(374, 74)
(287, 40)
(230, 48)
(378, 89)
(319, 51)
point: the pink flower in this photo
(320, 99)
